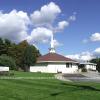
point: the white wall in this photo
(54, 68)
(38, 69)
(91, 66)
(2, 68)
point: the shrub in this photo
(8, 62)
(84, 70)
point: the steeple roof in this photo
(52, 48)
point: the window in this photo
(71, 65)
(67, 64)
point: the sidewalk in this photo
(60, 77)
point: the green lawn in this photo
(46, 89)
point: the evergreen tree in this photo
(29, 57)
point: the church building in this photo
(53, 62)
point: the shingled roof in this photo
(54, 57)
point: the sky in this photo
(75, 25)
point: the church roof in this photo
(54, 57)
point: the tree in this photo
(2, 46)
(17, 51)
(7, 45)
(13, 52)
(20, 50)
(7, 61)
(97, 61)
(8, 42)
(23, 55)
(29, 57)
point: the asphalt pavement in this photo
(89, 76)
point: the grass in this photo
(46, 89)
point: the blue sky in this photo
(75, 38)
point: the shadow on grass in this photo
(52, 95)
(82, 87)
(78, 86)
(56, 93)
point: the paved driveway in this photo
(83, 77)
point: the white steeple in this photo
(52, 48)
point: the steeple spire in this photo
(52, 48)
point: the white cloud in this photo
(65, 23)
(84, 56)
(45, 18)
(97, 50)
(72, 17)
(40, 35)
(95, 37)
(74, 56)
(46, 15)
(85, 41)
(56, 43)
(14, 25)
(62, 25)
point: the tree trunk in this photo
(26, 68)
